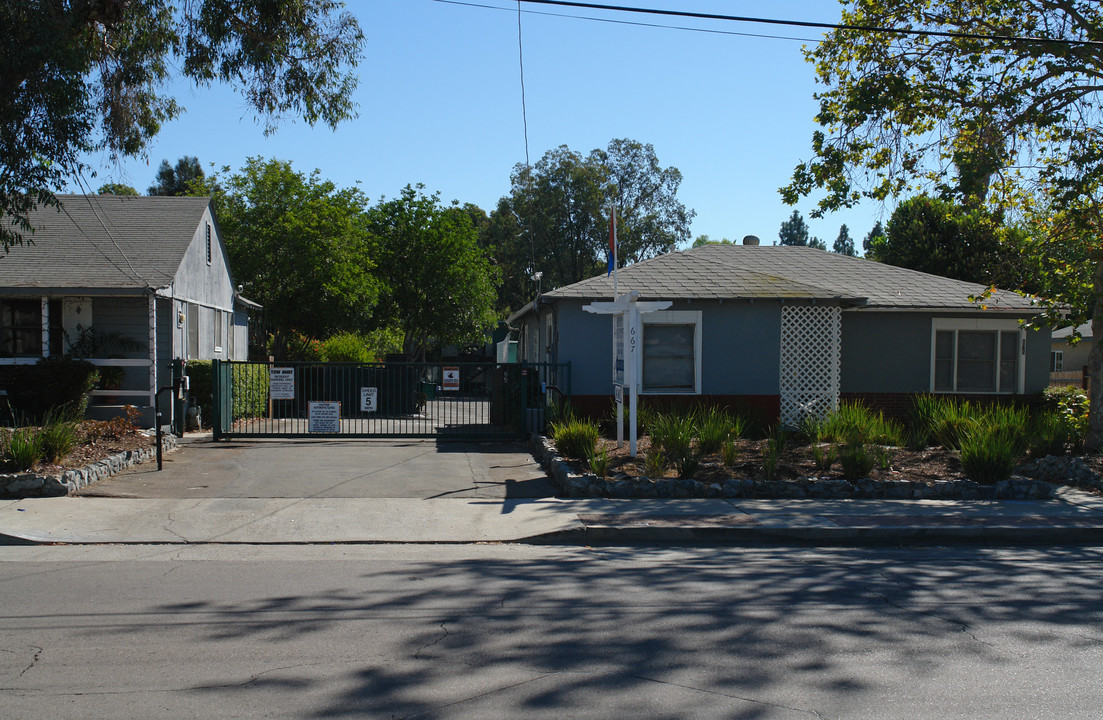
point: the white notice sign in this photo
(451, 379)
(324, 417)
(369, 399)
(281, 383)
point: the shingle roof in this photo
(786, 272)
(105, 241)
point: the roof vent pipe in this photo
(750, 240)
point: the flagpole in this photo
(613, 247)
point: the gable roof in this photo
(106, 242)
(751, 272)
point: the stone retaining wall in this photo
(27, 485)
(573, 483)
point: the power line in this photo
(812, 24)
(635, 23)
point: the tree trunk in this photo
(1094, 440)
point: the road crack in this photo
(37, 654)
(444, 634)
(756, 701)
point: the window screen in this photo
(668, 362)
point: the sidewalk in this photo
(1073, 517)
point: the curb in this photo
(15, 486)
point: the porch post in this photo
(45, 327)
(153, 353)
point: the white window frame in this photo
(1056, 360)
(673, 317)
(995, 325)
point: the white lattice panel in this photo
(810, 352)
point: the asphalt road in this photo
(509, 631)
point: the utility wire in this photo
(636, 23)
(812, 24)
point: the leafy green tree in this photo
(973, 111)
(815, 242)
(301, 247)
(943, 238)
(116, 189)
(875, 237)
(557, 213)
(844, 245)
(706, 240)
(90, 76)
(794, 231)
(177, 180)
(438, 282)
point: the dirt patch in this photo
(94, 445)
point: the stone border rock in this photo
(572, 483)
(27, 485)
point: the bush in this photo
(575, 438)
(823, 457)
(989, 456)
(673, 433)
(57, 385)
(729, 452)
(714, 426)
(599, 462)
(24, 447)
(855, 423)
(58, 438)
(688, 464)
(856, 460)
(655, 463)
(346, 347)
(1071, 403)
(1050, 434)
(250, 392)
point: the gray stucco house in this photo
(791, 331)
(141, 281)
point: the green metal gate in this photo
(460, 400)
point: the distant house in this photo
(134, 282)
(1067, 362)
(791, 331)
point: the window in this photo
(193, 331)
(973, 356)
(672, 352)
(1057, 361)
(230, 336)
(21, 327)
(218, 342)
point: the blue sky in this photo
(440, 104)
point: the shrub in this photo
(575, 438)
(58, 438)
(729, 452)
(713, 428)
(823, 456)
(988, 456)
(855, 423)
(346, 347)
(250, 390)
(1050, 434)
(771, 453)
(688, 464)
(599, 462)
(856, 460)
(952, 429)
(59, 385)
(655, 463)
(24, 447)
(673, 433)
(1071, 403)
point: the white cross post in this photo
(631, 308)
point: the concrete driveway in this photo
(330, 468)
